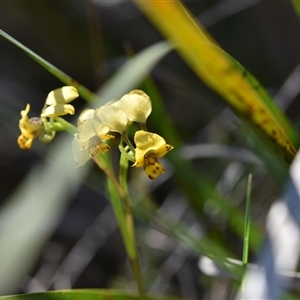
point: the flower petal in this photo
(146, 141)
(161, 151)
(58, 110)
(91, 128)
(137, 106)
(30, 128)
(62, 95)
(24, 142)
(84, 116)
(25, 112)
(114, 118)
(80, 153)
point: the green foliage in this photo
(265, 128)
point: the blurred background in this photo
(90, 41)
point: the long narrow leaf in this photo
(84, 92)
(241, 91)
(86, 294)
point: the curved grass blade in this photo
(239, 88)
(128, 77)
(83, 91)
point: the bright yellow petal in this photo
(62, 95)
(58, 110)
(24, 142)
(139, 159)
(162, 150)
(25, 112)
(147, 141)
(153, 167)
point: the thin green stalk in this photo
(246, 230)
(123, 211)
(127, 141)
(61, 124)
(134, 261)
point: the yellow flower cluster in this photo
(55, 105)
(95, 127)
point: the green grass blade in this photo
(247, 222)
(246, 231)
(67, 80)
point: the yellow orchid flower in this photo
(112, 117)
(88, 142)
(57, 102)
(30, 129)
(150, 147)
(86, 114)
(136, 105)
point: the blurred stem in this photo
(119, 196)
(246, 230)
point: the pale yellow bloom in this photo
(89, 141)
(112, 117)
(30, 129)
(136, 105)
(62, 95)
(150, 147)
(88, 113)
(57, 102)
(58, 110)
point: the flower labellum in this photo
(150, 147)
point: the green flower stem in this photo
(124, 153)
(127, 141)
(121, 203)
(135, 264)
(61, 124)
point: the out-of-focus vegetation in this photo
(57, 228)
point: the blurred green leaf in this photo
(134, 71)
(84, 294)
(29, 216)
